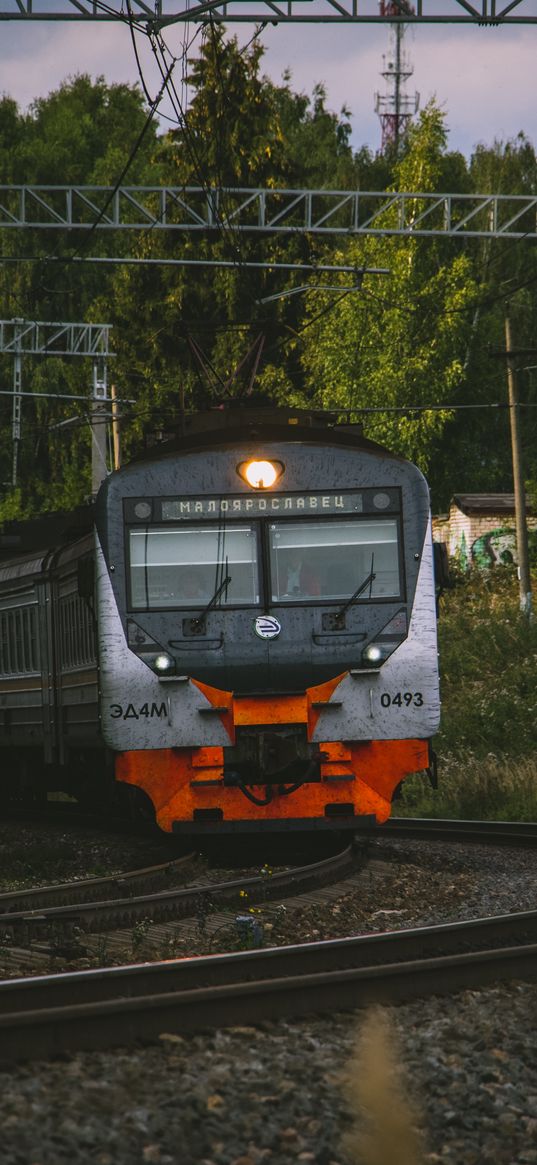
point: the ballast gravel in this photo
(274, 1093)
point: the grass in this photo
(383, 1121)
(494, 789)
(487, 746)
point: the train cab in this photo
(266, 624)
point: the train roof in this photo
(37, 536)
(225, 425)
(218, 427)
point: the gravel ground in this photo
(36, 854)
(404, 884)
(275, 1094)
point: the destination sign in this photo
(254, 505)
(262, 504)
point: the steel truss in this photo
(166, 12)
(320, 212)
(32, 337)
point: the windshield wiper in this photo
(200, 619)
(368, 582)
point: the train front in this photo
(267, 628)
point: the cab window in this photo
(184, 566)
(332, 559)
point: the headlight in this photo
(373, 653)
(260, 474)
(389, 638)
(376, 653)
(164, 663)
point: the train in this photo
(238, 634)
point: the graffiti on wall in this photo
(495, 548)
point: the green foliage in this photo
(241, 130)
(401, 341)
(12, 507)
(471, 789)
(486, 746)
(476, 449)
(488, 656)
(420, 336)
(317, 141)
(233, 132)
(82, 131)
(85, 132)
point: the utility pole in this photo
(99, 467)
(518, 474)
(116, 427)
(17, 400)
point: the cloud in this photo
(37, 58)
(483, 77)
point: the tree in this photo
(85, 132)
(476, 447)
(240, 130)
(401, 341)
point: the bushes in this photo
(487, 744)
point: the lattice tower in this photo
(395, 108)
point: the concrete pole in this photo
(99, 467)
(518, 475)
(116, 427)
(16, 417)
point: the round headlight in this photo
(164, 663)
(260, 474)
(373, 653)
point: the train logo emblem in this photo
(267, 627)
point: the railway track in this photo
(92, 1009)
(95, 1009)
(17, 903)
(33, 912)
(482, 832)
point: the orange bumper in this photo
(357, 779)
(186, 786)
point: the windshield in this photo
(331, 559)
(184, 566)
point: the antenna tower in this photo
(395, 108)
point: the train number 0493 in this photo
(401, 699)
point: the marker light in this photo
(260, 474)
(164, 663)
(373, 653)
(377, 653)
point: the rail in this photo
(95, 1009)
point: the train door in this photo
(48, 669)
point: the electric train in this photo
(240, 632)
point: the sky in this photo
(483, 77)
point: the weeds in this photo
(488, 662)
(101, 951)
(487, 746)
(383, 1122)
(139, 935)
(494, 789)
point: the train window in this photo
(76, 635)
(332, 559)
(5, 660)
(185, 566)
(19, 653)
